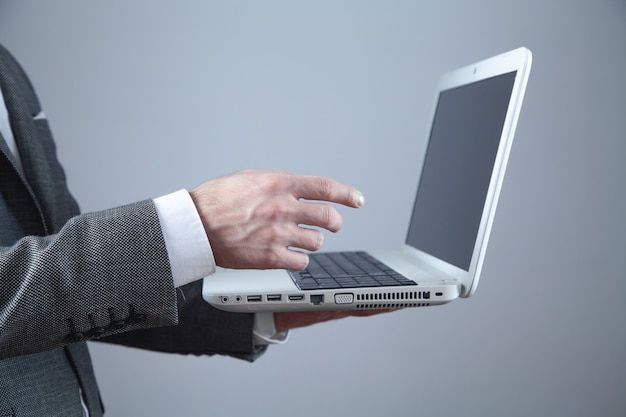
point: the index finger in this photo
(326, 189)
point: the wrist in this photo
(188, 247)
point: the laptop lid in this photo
(472, 130)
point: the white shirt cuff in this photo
(191, 257)
(187, 244)
(265, 331)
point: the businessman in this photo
(131, 275)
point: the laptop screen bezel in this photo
(518, 61)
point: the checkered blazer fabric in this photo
(67, 277)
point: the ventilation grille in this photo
(389, 305)
(397, 295)
(393, 299)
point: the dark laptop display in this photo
(459, 162)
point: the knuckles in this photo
(283, 258)
(318, 241)
(331, 218)
(325, 188)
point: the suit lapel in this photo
(24, 133)
(19, 109)
(43, 177)
(6, 153)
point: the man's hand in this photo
(255, 219)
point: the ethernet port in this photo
(317, 299)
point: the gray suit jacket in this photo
(66, 278)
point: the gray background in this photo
(146, 97)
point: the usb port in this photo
(298, 297)
(254, 298)
(274, 297)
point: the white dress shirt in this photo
(7, 133)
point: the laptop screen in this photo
(457, 169)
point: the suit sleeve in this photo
(103, 273)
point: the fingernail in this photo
(360, 200)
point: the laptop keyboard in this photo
(346, 270)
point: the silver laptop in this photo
(473, 125)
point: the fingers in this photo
(289, 259)
(320, 215)
(308, 239)
(325, 189)
(288, 255)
